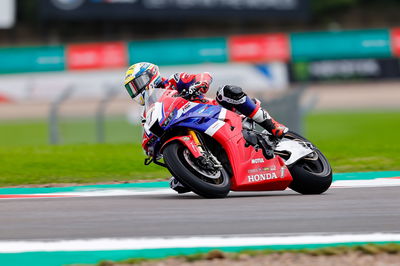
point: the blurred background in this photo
(328, 68)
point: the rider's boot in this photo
(177, 186)
(263, 118)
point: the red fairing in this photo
(188, 142)
(251, 170)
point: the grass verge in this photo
(366, 249)
(353, 142)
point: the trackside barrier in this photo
(110, 94)
(54, 114)
(289, 110)
(54, 128)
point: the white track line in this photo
(189, 242)
(109, 192)
(378, 182)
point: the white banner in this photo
(7, 14)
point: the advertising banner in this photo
(182, 51)
(340, 45)
(344, 69)
(259, 48)
(32, 59)
(96, 56)
(395, 41)
(172, 9)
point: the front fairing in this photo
(165, 110)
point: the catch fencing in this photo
(288, 109)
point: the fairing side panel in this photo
(252, 171)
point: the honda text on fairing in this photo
(211, 150)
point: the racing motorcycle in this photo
(212, 151)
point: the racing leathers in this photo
(230, 97)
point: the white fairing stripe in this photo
(222, 114)
(214, 128)
(185, 109)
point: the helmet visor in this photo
(137, 85)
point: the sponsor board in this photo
(32, 59)
(96, 56)
(308, 46)
(325, 70)
(259, 48)
(395, 41)
(179, 51)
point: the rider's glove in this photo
(198, 87)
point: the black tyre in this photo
(202, 182)
(312, 174)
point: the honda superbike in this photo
(213, 151)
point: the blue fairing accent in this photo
(199, 118)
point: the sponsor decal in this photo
(261, 177)
(261, 169)
(185, 138)
(257, 160)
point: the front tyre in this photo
(203, 182)
(311, 174)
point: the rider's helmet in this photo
(141, 77)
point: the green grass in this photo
(357, 141)
(352, 142)
(366, 249)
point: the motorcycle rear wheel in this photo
(181, 167)
(310, 175)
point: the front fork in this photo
(196, 148)
(207, 158)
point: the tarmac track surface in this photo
(340, 210)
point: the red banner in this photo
(97, 56)
(395, 41)
(259, 48)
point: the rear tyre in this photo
(182, 166)
(311, 174)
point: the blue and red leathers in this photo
(230, 97)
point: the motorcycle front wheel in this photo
(206, 183)
(311, 174)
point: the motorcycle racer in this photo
(145, 76)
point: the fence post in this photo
(287, 109)
(54, 132)
(110, 94)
